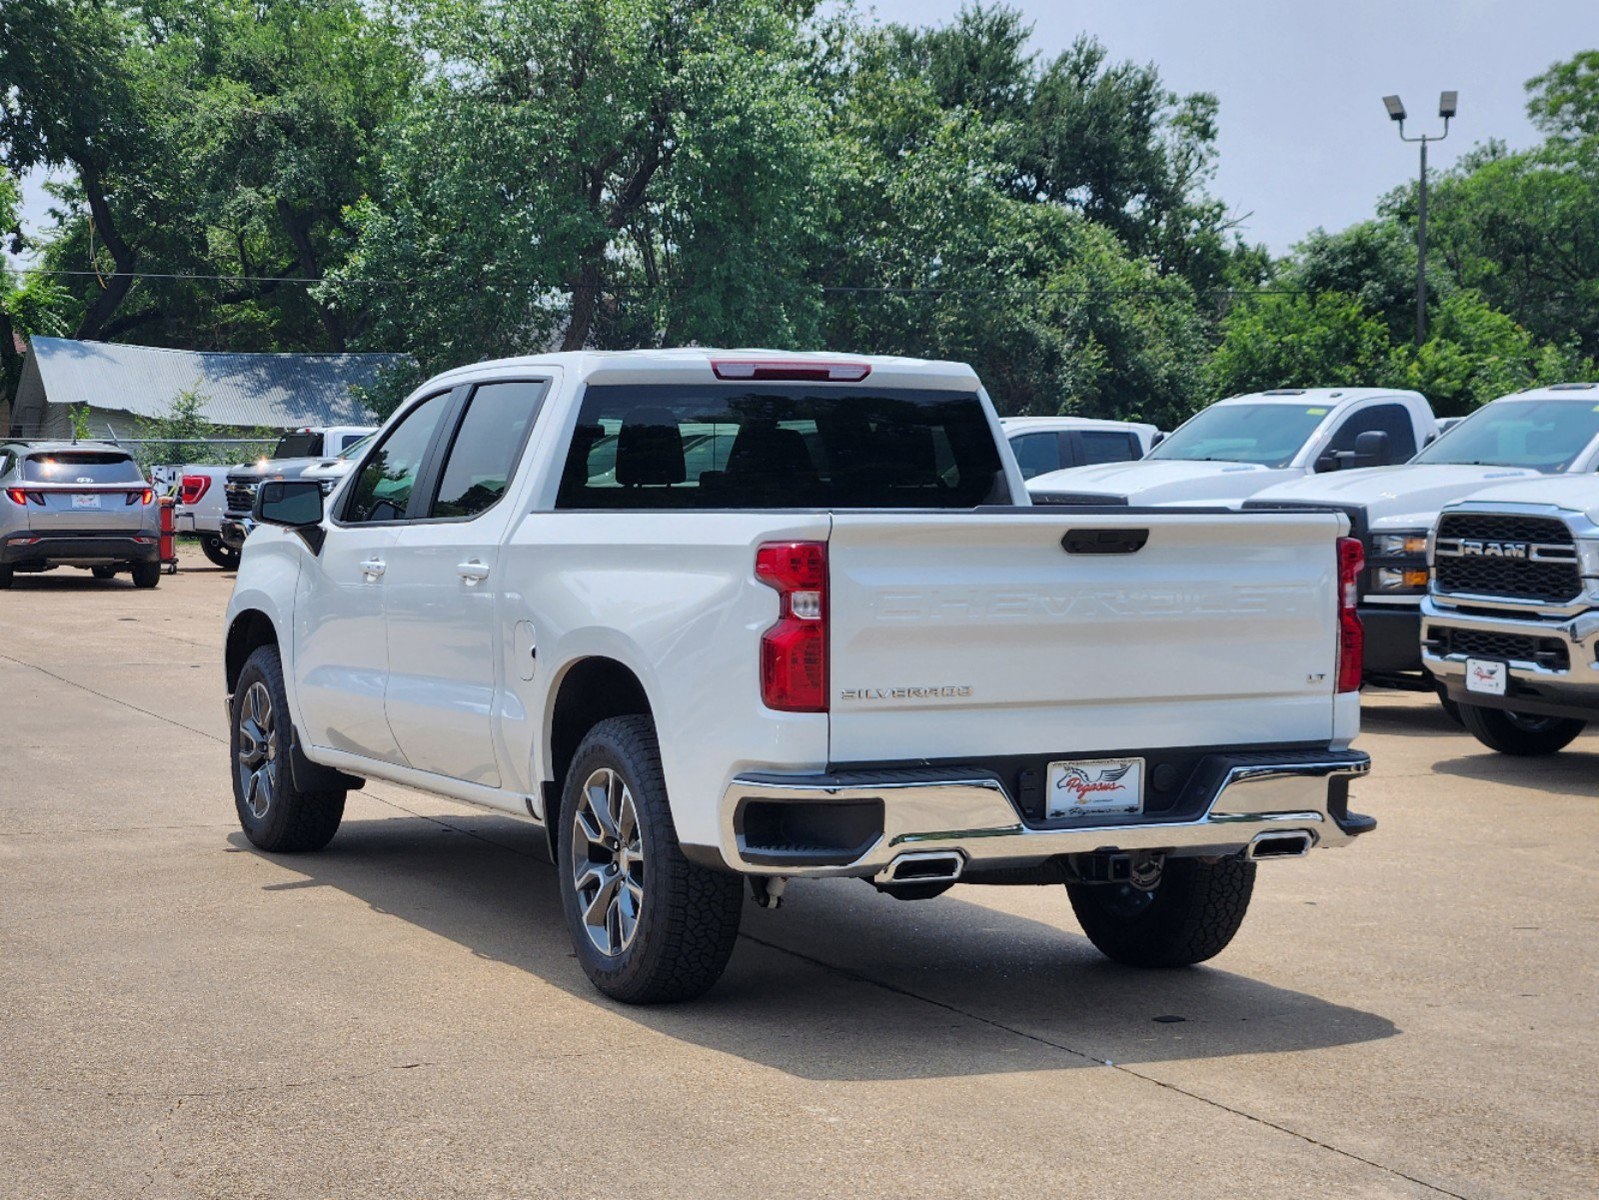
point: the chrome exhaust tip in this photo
(939, 866)
(1279, 845)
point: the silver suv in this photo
(76, 504)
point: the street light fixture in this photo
(1448, 106)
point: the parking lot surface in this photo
(401, 1014)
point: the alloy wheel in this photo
(258, 750)
(608, 862)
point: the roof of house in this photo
(274, 390)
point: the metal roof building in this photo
(124, 385)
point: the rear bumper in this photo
(1537, 686)
(68, 547)
(886, 815)
(196, 523)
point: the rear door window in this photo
(487, 447)
(731, 446)
(1037, 453)
(80, 467)
(298, 445)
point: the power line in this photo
(830, 289)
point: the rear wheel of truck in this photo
(219, 552)
(146, 574)
(1189, 916)
(1521, 734)
(649, 926)
(276, 815)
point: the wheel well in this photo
(594, 690)
(250, 631)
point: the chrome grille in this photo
(241, 497)
(1548, 572)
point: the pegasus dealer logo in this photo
(1081, 783)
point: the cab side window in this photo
(388, 476)
(1106, 446)
(1392, 419)
(487, 447)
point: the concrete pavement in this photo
(401, 1015)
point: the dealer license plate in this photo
(1094, 787)
(1486, 676)
(85, 500)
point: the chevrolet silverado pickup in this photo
(1510, 627)
(1546, 431)
(1241, 445)
(718, 620)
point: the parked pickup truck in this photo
(1241, 445)
(294, 453)
(1546, 431)
(1510, 627)
(717, 619)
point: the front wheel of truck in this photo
(1521, 734)
(649, 926)
(1189, 916)
(276, 815)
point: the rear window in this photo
(780, 446)
(298, 445)
(81, 468)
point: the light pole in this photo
(1448, 104)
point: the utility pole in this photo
(1448, 105)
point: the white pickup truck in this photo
(717, 617)
(1241, 445)
(1510, 627)
(1529, 435)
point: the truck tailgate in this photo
(979, 634)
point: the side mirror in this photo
(1159, 437)
(1371, 449)
(1327, 462)
(295, 504)
(291, 502)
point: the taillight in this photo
(1351, 637)
(193, 487)
(145, 497)
(16, 495)
(794, 651)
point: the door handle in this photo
(372, 568)
(472, 572)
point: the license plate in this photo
(1486, 676)
(85, 500)
(1094, 787)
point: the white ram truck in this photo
(722, 619)
(1510, 627)
(1244, 444)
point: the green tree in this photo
(619, 171)
(1475, 354)
(1323, 340)
(1564, 101)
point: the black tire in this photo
(685, 917)
(146, 574)
(275, 815)
(103, 572)
(1521, 734)
(7, 576)
(219, 552)
(1451, 709)
(1191, 915)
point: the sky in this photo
(1304, 140)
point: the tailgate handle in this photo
(1104, 541)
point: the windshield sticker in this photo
(1315, 412)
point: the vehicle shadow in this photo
(841, 983)
(1423, 716)
(78, 581)
(1572, 772)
